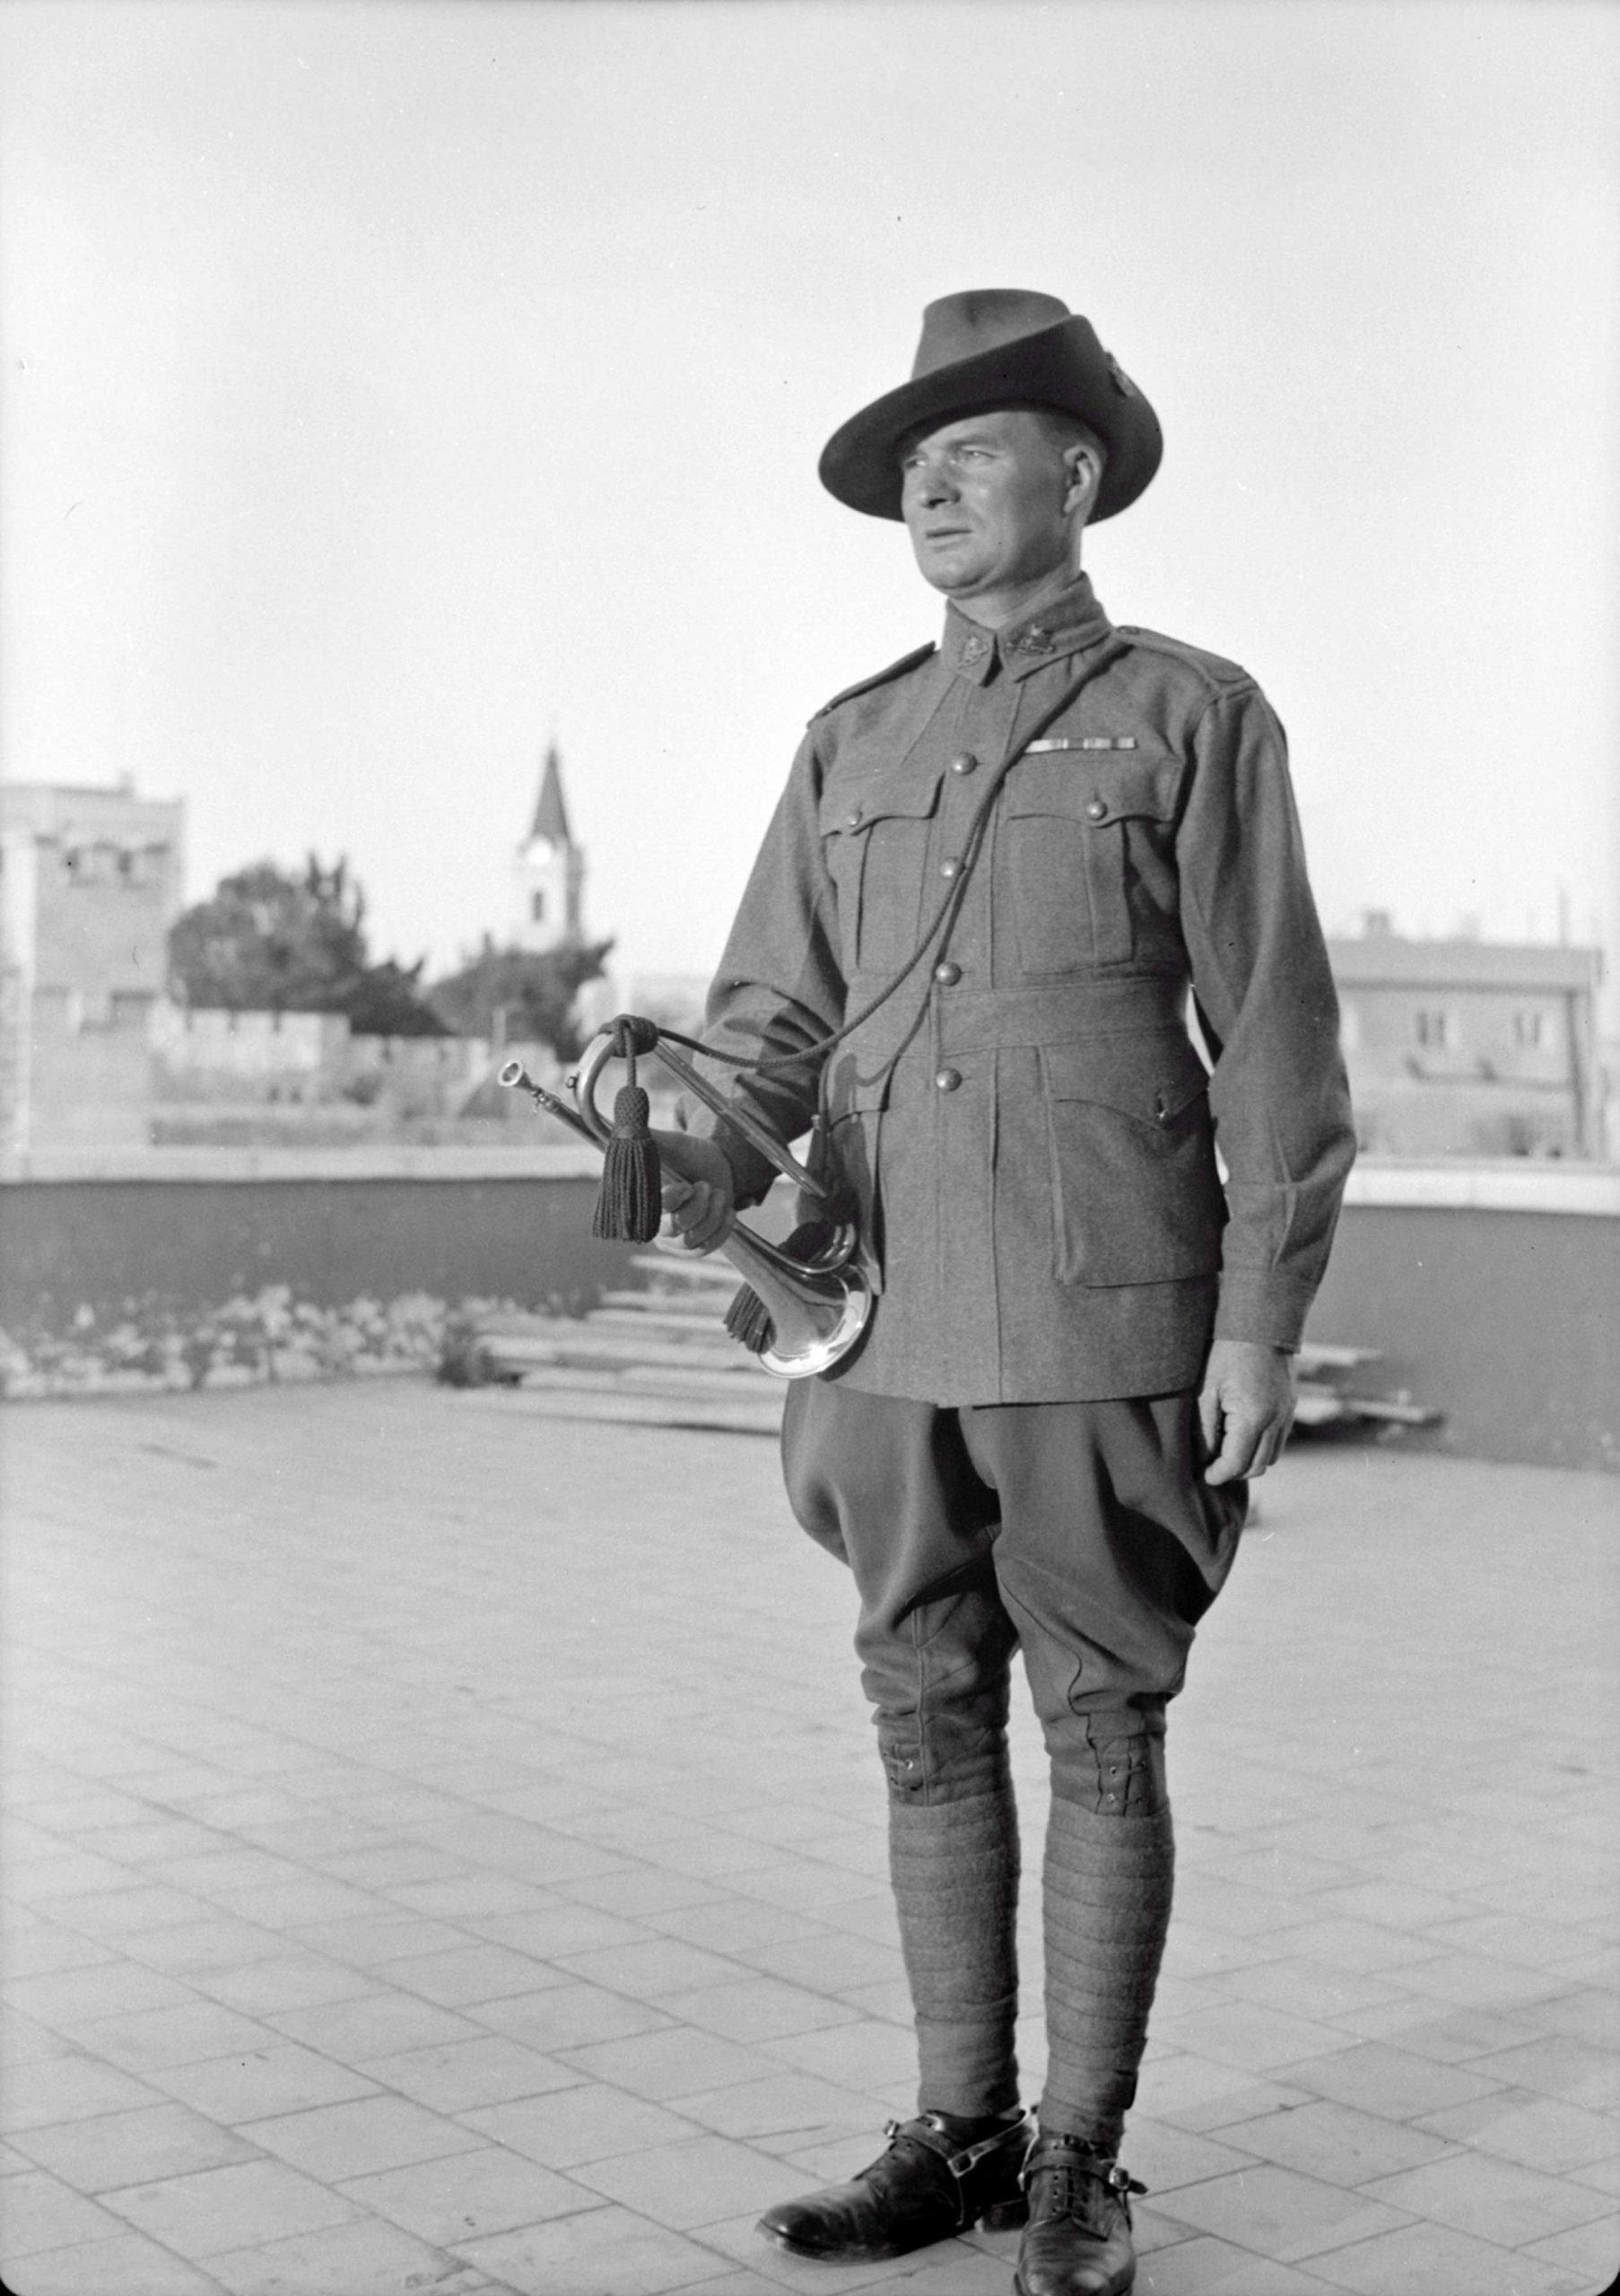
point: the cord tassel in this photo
(630, 1201)
(748, 1318)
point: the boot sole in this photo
(1002, 2216)
(1115, 2287)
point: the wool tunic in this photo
(1025, 1126)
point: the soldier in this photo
(996, 872)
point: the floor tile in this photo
(758, 2009)
(153, 2039)
(550, 1932)
(1494, 2200)
(670, 2063)
(568, 2016)
(686, 2184)
(367, 2258)
(125, 2264)
(1336, 2142)
(37, 2211)
(1560, 2066)
(781, 2104)
(589, 2123)
(37, 2094)
(1538, 2132)
(296, 1980)
(1590, 2251)
(449, 2201)
(647, 1970)
(607, 2253)
(166, 2140)
(1241, 2033)
(281, 2078)
(827, 1962)
(377, 2025)
(1280, 2213)
(457, 2075)
(1433, 2260)
(70, 1998)
(334, 2142)
(472, 1973)
(1388, 2082)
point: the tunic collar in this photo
(1067, 624)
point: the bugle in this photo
(818, 1305)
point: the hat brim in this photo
(1062, 367)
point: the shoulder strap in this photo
(879, 677)
(1218, 674)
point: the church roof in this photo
(551, 814)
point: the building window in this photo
(1529, 1029)
(1435, 1028)
(537, 909)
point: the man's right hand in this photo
(700, 1203)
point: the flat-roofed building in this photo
(90, 883)
(1466, 1047)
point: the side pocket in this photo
(1136, 1194)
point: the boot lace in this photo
(1086, 2187)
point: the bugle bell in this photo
(818, 1304)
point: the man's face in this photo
(983, 499)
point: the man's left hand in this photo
(1245, 1409)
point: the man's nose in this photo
(936, 483)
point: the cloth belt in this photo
(999, 1020)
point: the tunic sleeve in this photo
(1267, 1003)
(780, 985)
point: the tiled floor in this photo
(446, 1854)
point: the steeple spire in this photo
(549, 870)
(551, 814)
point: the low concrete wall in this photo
(1493, 1293)
(199, 1227)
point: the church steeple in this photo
(550, 869)
(551, 814)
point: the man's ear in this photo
(1083, 466)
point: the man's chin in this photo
(954, 579)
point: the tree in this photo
(271, 942)
(534, 990)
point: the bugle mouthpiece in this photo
(512, 1073)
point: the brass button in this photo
(947, 974)
(965, 763)
(948, 1079)
(950, 868)
(854, 819)
(1097, 810)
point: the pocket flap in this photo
(1081, 782)
(890, 796)
(1153, 1076)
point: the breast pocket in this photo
(874, 836)
(1136, 1194)
(1090, 846)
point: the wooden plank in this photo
(747, 1416)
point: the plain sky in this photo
(389, 385)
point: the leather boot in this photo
(927, 2187)
(1078, 2241)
